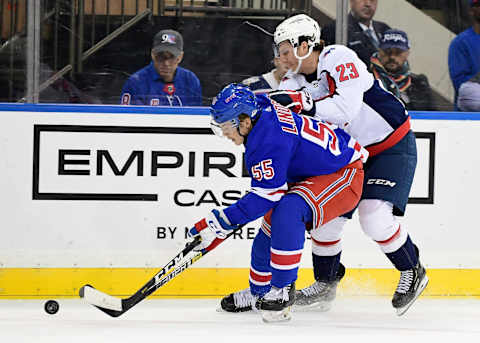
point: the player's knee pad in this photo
(326, 239)
(379, 223)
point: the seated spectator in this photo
(364, 33)
(269, 81)
(469, 95)
(390, 66)
(464, 63)
(163, 82)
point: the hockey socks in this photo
(406, 257)
(325, 267)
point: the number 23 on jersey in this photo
(347, 71)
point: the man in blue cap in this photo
(464, 63)
(163, 82)
(390, 66)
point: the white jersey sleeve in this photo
(346, 78)
(342, 78)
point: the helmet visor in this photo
(224, 129)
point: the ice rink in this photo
(352, 319)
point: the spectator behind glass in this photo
(163, 82)
(364, 34)
(269, 81)
(390, 65)
(464, 63)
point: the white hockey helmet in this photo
(300, 25)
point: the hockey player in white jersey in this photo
(346, 94)
(331, 83)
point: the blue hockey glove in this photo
(213, 229)
(300, 101)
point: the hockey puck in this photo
(51, 307)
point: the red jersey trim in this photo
(395, 137)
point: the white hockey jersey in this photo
(346, 94)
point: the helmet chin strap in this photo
(300, 59)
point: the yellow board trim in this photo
(25, 283)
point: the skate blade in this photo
(319, 306)
(221, 310)
(276, 316)
(423, 284)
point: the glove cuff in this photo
(202, 224)
(223, 220)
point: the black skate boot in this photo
(411, 285)
(240, 301)
(320, 295)
(275, 305)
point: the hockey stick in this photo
(115, 307)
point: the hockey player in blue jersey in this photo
(295, 163)
(346, 94)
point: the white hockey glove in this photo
(213, 229)
(299, 101)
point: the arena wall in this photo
(103, 195)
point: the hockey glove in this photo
(300, 102)
(213, 229)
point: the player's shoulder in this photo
(333, 55)
(280, 120)
(250, 81)
(257, 83)
(267, 121)
(335, 51)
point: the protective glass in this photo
(224, 129)
(276, 53)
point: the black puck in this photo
(51, 307)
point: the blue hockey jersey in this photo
(284, 147)
(145, 87)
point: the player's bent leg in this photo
(328, 271)
(329, 196)
(260, 276)
(288, 237)
(379, 223)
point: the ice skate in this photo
(319, 296)
(411, 285)
(240, 301)
(275, 305)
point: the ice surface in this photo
(352, 319)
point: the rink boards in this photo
(104, 194)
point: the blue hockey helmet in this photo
(233, 100)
